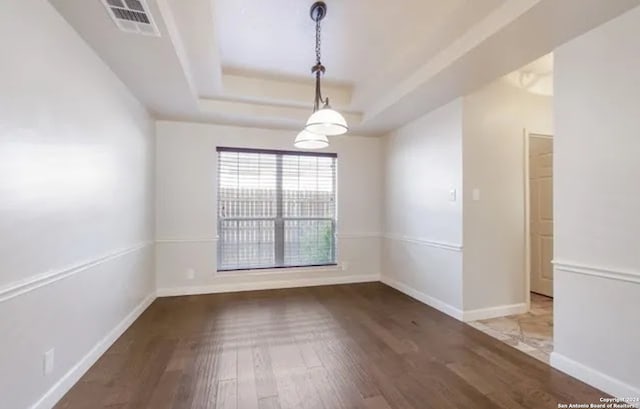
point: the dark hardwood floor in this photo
(350, 346)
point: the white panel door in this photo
(541, 213)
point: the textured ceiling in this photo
(247, 62)
(277, 36)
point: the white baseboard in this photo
(57, 391)
(424, 298)
(466, 316)
(265, 285)
(493, 312)
(593, 377)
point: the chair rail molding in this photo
(187, 240)
(34, 282)
(358, 235)
(597, 271)
(425, 242)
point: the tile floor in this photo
(531, 333)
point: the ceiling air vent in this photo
(132, 16)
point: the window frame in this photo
(279, 220)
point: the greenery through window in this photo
(275, 209)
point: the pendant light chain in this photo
(319, 69)
(318, 41)
(324, 121)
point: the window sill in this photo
(279, 270)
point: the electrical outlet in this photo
(345, 265)
(48, 361)
(191, 274)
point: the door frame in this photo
(527, 135)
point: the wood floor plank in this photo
(227, 394)
(247, 392)
(285, 357)
(352, 346)
(319, 376)
(308, 352)
(201, 382)
(470, 376)
(164, 393)
(287, 393)
(265, 379)
(306, 390)
(152, 371)
(228, 364)
(269, 403)
(376, 402)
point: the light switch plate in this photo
(48, 361)
(476, 194)
(453, 195)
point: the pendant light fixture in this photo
(324, 121)
(309, 140)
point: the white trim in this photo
(365, 235)
(424, 298)
(527, 210)
(358, 235)
(425, 242)
(333, 268)
(593, 377)
(465, 316)
(494, 312)
(594, 271)
(527, 219)
(32, 283)
(540, 135)
(188, 240)
(57, 391)
(265, 285)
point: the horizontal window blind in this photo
(275, 209)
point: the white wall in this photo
(186, 209)
(465, 257)
(494, 163)
(76, 195)
(597, 207)
(423, 227)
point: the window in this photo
(275, 209)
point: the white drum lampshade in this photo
(310, 140)
(328, 122)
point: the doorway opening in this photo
(532, 331)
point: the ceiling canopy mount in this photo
(318, 11)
